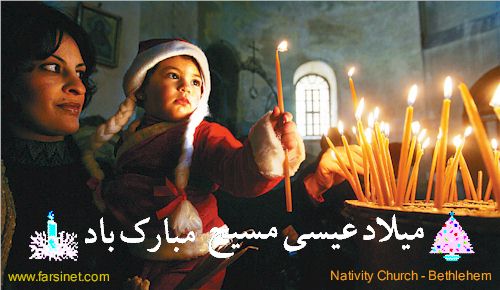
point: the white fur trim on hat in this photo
(134, 78)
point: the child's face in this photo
(174, 89)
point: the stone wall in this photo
(392, 45)
(382, 39)
(461, 39)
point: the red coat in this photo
(148, 159)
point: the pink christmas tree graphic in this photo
(451, 240)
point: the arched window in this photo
(315, 99)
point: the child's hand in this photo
(270, 136)
(285, 128)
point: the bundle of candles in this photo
(381, 184)
(384, 186)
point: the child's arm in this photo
(251, 168)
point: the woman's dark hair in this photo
(33, 31)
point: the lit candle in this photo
(482, 140)
(410, 185)
(449, 165)
(367, 151)
(351, 86)
(441, 158)
(343, 167)
(355, 133)
(358, 190)
(433, 167)
(495, 102)
(389, 160)
(416, 167)
(464, 169)
(405, 143)
(379, 129)
(283, 46)
(375, 179)
(454, 188)
(366, 169)
(494, 145)
(424, 146)
(452, 176)
(377, 154)
(447, 189)
(465, 182)
(415, 128)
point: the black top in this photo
(44, 177)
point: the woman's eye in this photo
(197, 83)
(52, 67)
(80, 74)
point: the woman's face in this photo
(174, 89)
(53, 95)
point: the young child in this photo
(172, 160)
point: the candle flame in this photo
(351, 71)
(448, 87)
(368, 135)
(494, 144)
(340, 127)
(495, 101)
(457, 141)
(426, 143)
(387, 129)
(376, 113)
(382, 126)
(421, 136)
(371, 120)
(353, 129)
(412, 95)
(325, 130)
(415, 127)
(359, 109)
(467, 131)
(283, 46)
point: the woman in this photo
(47, 60)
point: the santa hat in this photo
(152, 52)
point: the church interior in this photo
(391, 45)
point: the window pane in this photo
(316, 130)
(299, 94)
(312, 105)
(316, 101)
(309, 130)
